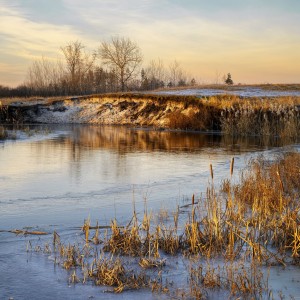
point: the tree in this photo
(181, 82)
(44, 76)
(154, 74)
(123, 55)
(78, 63)
(175, 72)
(228, 80)
(177, 75)
(144, 81)
(156, 70)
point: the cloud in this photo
(29, 39)
(23, 40)
(202, 35)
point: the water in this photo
(54, 177)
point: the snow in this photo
(239, 91)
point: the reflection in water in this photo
(125, 140)
(95, 166)
(82, 142)
(115, 152)
(56, 178)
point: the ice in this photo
(239, 91)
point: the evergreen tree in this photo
(228, 80)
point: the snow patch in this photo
(245, 92)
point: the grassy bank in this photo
(242, 117)
(229, 114)
(227, 239)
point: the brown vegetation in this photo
(251, 225)
(228, 114)
(3, 133)
(272, 119)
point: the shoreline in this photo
(218, 114)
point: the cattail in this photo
(231, 166)
(211, 171)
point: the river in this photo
(54, 177)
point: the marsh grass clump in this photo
(125, 241)
(88, 263)
(246, 228)
(245, 280)
(70, 255)
(200, 118)
(249, 119)
(233, 115)
(236, 280)
(112, 272)
(269, 194)
(3, 133)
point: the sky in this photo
(257, 41)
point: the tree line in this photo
(115, 66)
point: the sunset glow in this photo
(257, 41)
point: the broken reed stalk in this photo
(25, 232)
(211, 171)
(231, 166)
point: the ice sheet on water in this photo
(241, 91)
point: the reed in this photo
(3, 133)
(125, 241)
(112, 272)
(248, 226)
(249, 119)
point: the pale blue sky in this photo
(257, 41)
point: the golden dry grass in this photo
(248, 226)
(230, 114)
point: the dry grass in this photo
(201, 120)
(230, 114)
(3, 133)
(270, 119)
(233, 115)
(249, 226)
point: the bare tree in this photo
(78, 63)
(38, 74)
(217, 77)
(156, 69)
(122, 55)
(177, 75)
(45, 76)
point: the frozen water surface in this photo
(238, 91)
(61, 175)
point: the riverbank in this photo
(111, 109)
(226, 113)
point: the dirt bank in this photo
(184, 112)
(230, 114)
